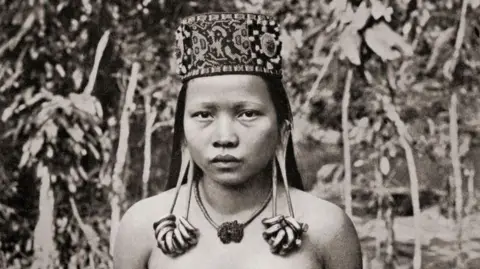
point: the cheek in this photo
(195, 139)
(263, 140)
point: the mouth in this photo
(225, 161)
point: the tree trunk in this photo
(44, 244)
(150, 115)
(457, 175)
(451, 200)
(392, 114)
(118, 188)
(346, 144)
(412, 171)
(379, 224)
(472, 199)
(390, 241)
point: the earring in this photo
(176, 235)
(282, 233)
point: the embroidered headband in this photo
(228, 43)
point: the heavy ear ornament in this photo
(282, 233)
(176, 235)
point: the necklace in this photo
(230, 231)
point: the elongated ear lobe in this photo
(176, 235)
(184, 163)
(281, 150)
(190, 179)
(285, 132)
(283, 233)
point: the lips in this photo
(225, 159)
(226, 162)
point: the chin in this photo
(229, 179)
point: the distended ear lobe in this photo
(285, 131)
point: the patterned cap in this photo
(228, 43)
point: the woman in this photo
(233, 181)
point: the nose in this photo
(225, 135)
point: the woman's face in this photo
(230, 126)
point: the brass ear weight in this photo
(284, 234)
(175, 235)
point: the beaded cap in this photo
(228, 43)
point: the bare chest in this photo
(251, 253)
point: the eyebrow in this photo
(235, 105)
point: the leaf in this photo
(464, 145)
(474, 3)
(82, 172)
(8, 112)
(76, 133)
(60, 70)
(288, 45)
(74, 174)
(363, 122)
(36, 145)
(71, 187)
(349, 43)
(24, 159)
(441, 41)
(319, 44)
(94, 151)
(379, 10)
(377, 125)
(361, 16)
(326, 171)
(77, 78)
(45, 113)
(49, 152)
(50, 129)
(86, 103)
(384, 165)
(98, 108)
(392, 150)
(42, 170)
(386, 43)
(338, 6)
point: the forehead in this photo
(228, 88)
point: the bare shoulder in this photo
(149, 209)
(135, 236)
(326, 215)
(331, 231)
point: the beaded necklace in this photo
(231, 230)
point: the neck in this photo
(235, 200)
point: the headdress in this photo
(228, 43)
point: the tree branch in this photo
(404, 138)
(346, 144)
(18, 71)
(13, 42)
(320, 76)
(150, 115)
(452, 63)
(117, 184)
(457, 173)
(102, 44)
(90, 234)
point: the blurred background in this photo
(385, 95)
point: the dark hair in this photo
(283, 110)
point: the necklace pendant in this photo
(230, 231)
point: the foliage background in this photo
(55, 125)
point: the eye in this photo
(202, 115)
(249, 114)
